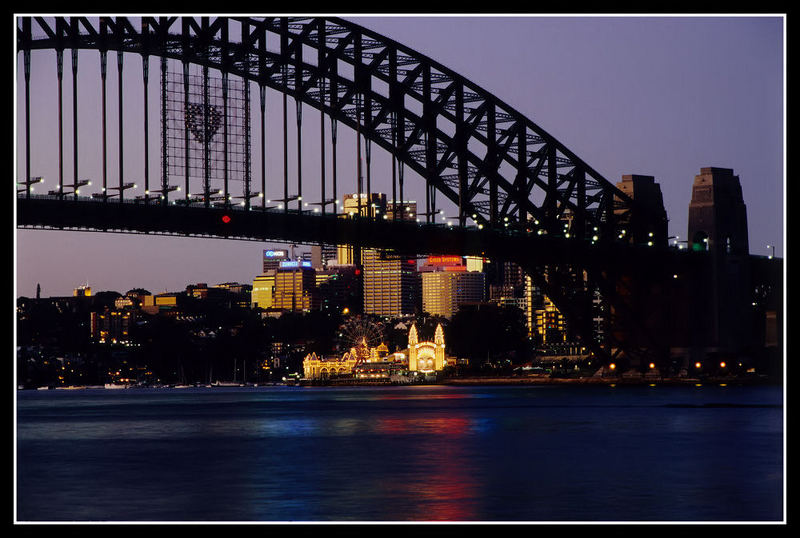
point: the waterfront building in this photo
(426, 357)
(362, 362)
(295, 287)
(316, 367)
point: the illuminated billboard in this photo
(273, 254)
(444, 260)
(290, 265)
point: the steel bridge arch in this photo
(497, 166)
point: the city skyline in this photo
(693, 92)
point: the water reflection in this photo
(423, 425)
(401, 454)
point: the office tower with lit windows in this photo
(112, 326)
(551, 325)
(445, 290)
(447, 283)
(263, 291)
(272, 260)
(295, 287)
(373, 206)
(402, 210)
(391, 285)
(506, 283)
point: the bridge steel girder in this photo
(497, 166)
(514, 168)
(406, 237)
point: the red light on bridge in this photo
(226, 219)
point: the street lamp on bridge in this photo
(121, 189)
(74, 186)
(29, 183)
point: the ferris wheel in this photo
(359, 329)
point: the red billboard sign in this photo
(444, 260)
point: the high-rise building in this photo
(272, 259)
(263, 291)
(112, 326)
(551, 325)
(475, 263)
(506, 284)
(443, 292)
(391, 285)
(322, 255)
(446, 285)
(340, 288)
(373, 205)
(295, 287)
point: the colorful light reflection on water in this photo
(401, 454)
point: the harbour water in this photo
(391, 454)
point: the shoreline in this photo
(472, 381)
(579, 381)
(477, 381)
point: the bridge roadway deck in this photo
(402, 237)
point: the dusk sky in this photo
(659, 96)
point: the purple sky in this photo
(660, 96)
